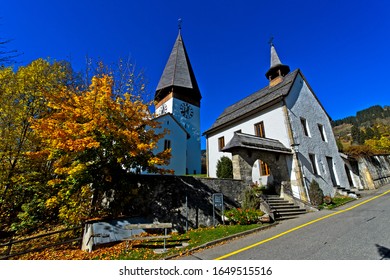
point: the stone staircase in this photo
(282, 208)
(348, 192)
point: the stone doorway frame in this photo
(246, 149)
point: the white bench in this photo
(132, 227)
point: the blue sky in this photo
(342, 47)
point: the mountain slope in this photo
(370, 127)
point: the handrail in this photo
(289, 192)
(266, 207)
(11, 242)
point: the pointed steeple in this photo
(277, 70)
(275, 60)
(178, 78)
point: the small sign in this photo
(218, 200)
(217, 204)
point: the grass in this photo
(336, 202)
(198, 175)
(194, 239)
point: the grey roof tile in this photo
(243, 140)
(254, 102)
(178, 70)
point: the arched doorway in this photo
(262, 173)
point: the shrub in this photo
(316, 194)
(243, 216)
(224, 168)
(251, 197)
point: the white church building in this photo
(279, 133)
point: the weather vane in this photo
(271, 41)
(179, 23)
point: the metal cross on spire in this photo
(179, 23)
(271, 41)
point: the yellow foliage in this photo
(89, 136)
(381, 146)
(51, 203)
(23, 164)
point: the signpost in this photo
(217, 205)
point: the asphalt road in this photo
(356, 231)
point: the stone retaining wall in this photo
(167, 198)
(374, 171)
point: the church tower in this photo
(178, 93)
(277, 70)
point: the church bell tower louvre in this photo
(178, 93)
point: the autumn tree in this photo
(7, 57)
(23, 98)
(379, 146)
(95, 139)
(126, 76)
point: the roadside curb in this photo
(367, 196)
(230, 237)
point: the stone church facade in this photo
(279, 133)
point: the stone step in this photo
(287, 215)
(270, 197)
(290, 211)
(275, 200)
(287, 210)
(280, 203)
(283, 209)
(280, 218)
(286, 207)
(348, 191)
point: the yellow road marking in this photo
(299, 227)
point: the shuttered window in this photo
(221, 143)
(259, 129)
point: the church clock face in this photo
(186, 110)
(163, 109)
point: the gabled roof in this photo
(243, 140)
(178, 71)
(255, 102)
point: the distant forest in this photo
(365, 117)
(367, 133)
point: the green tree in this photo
(358, 136)
(224, 168)
(22, 98)
(370, 134)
